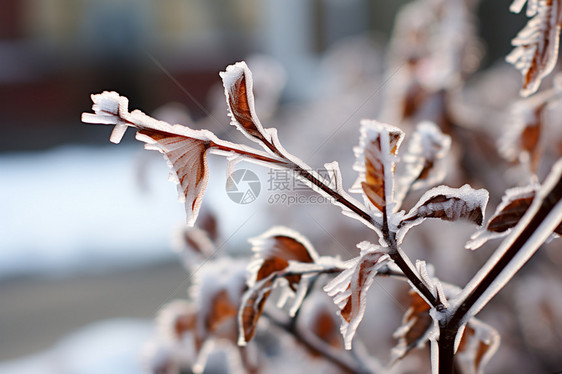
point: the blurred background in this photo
(86, 227)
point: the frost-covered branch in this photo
(534, 228)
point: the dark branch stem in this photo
(446, 350)
(449, 330)
(403, 265)
(553, 197)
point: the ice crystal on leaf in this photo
(350, 287)
(376, 156)
(536, 45)
(422, 163)
(238, 89)
(478, 343)
(282, 258)
(514, 205)
(184, 149)
(449, 204)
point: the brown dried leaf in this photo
(421, 166)
(237, 81)
(350, 287)
(522, 141)
(184, 148)
(416, 326)
(176, 318)
(515, 203)
(449, 204)
(536, 45)
(273, 251)
(378, 146)
(221, 310)
(477, 344)
(326, 328)
(216, 292)
(510, 214)
(188, 160)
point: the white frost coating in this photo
(421, 267)
(226, 274)
(352, 284)
(213, 353)
(468, 357)
(263, 245)
(427, 144)
(370, 131)
(229, 78)
(532, 7)
(543, 232)
(334, 173)
(110, 108)
(169, 314)
(482, 236)
(189, 255)
(530, 43)
(460, 201)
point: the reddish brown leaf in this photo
(522, 142)
(449, 204)
(188, 160)
(251, 311)
(326, 328)
(273, 251)
(184, 148)
(536, 45)
(237, 81)
(176, 319)
(350, 287)
(221, 309)
(415, 328)
(477, 344)
(510, 214)
(375, 160)
(515, 203)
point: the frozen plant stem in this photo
(545, 212)
(400, 258)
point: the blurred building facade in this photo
(54, 53)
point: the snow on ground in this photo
(111, 346)
(75, 209)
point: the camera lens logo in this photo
(243, 186)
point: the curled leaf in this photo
(185, 149)
(176, 318)
(376, 154)
(238, 88)
(521, 141)
(422, 161)
(536, 45)
(416, 327)
(274, 252)
(218, 290)
(515, 203)
(187, 158)
(477, 345)
(349, 288)
(532, 6)
(449, 204)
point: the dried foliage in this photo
(536, 46)
(230, 301)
